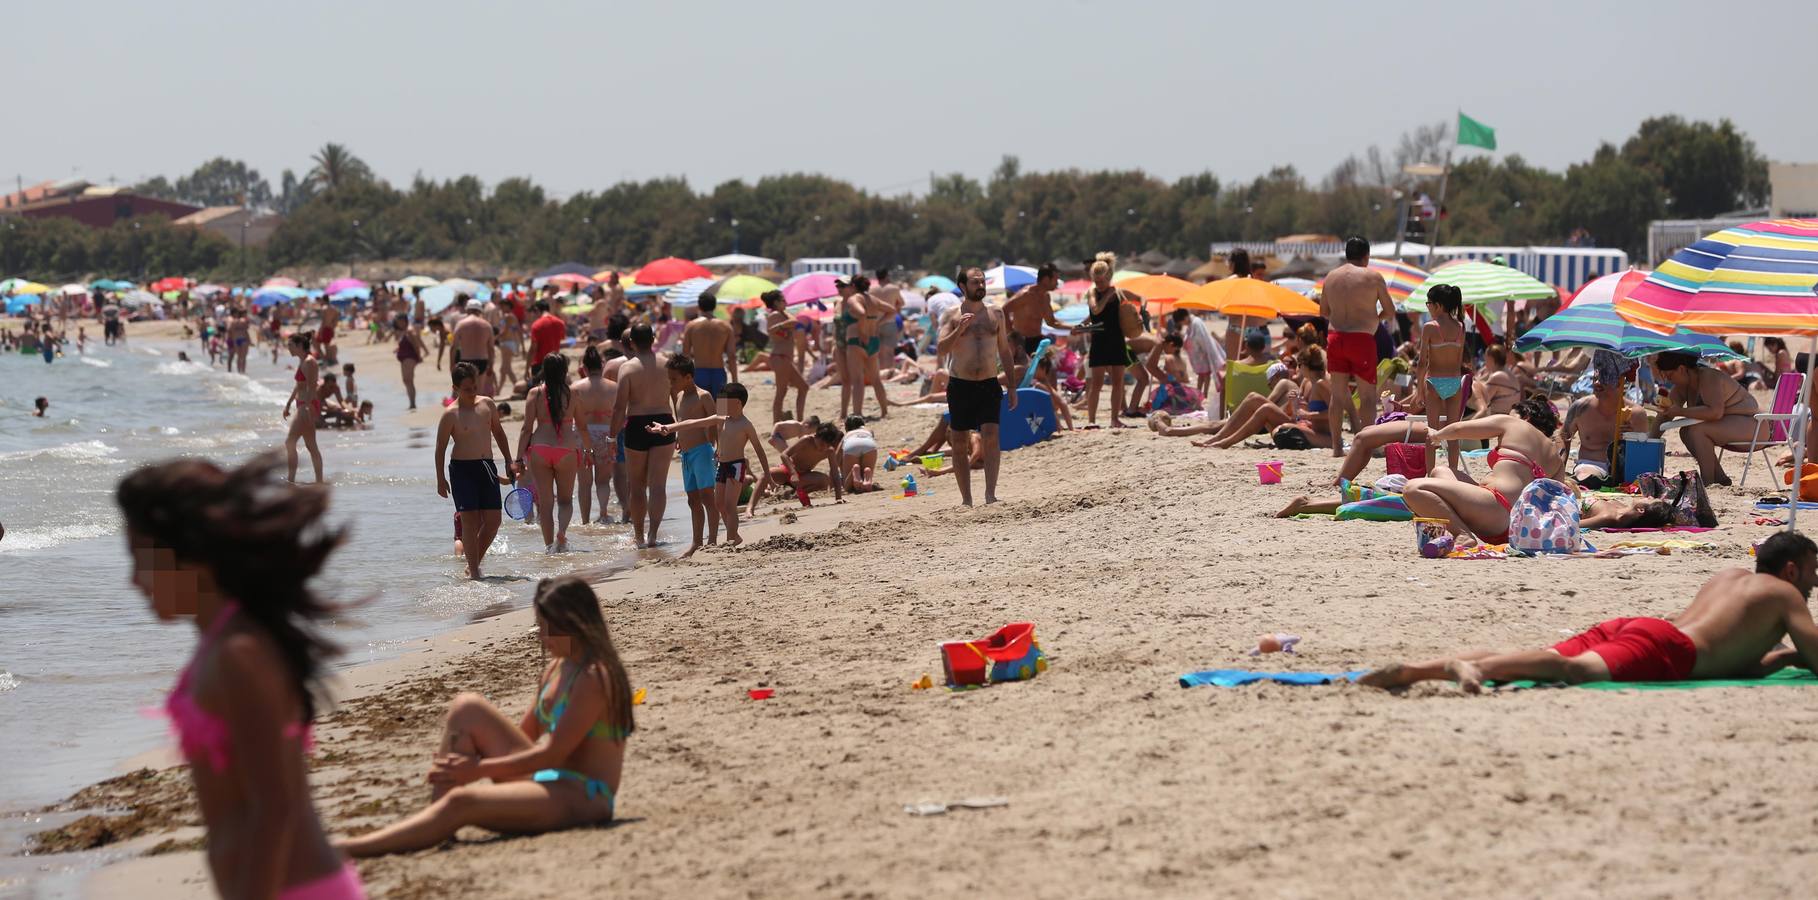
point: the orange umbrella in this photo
(1158, 290)
(1248, 297)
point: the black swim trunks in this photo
(971, 404)
(638, 437)
(474, 484)
(479, 365)
(731, 471)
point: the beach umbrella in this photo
(137, 298)
(1075, 288)
(688, 292)
(810, 286)
(466, 286)
(670, 270)
(268, 297)
(281, 282)
(436, 298)
(207, 290)
(1759, 279)
(164, 285)
(1162, 289)
(604, 274)
(416, 281)
(1248, 297)
(17, 304)
(73, 290)
(342, 284)
(347, 295)
(1004, 279)
(1072, 314)
(1596, 325)
(646, 290)
(567, 268)
(1401, 278)
(938, 282)
(105, 284)
(1306, 287)
(1482, 284)
(742, 287)
(1122, 275)
(564, 279)
(21, 286)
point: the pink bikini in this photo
(204, 738)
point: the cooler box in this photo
(1641, 455)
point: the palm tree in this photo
(336, 166)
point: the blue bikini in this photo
(595, 787)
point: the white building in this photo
(843, 265)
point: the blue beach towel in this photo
(1240, 677)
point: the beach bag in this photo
(1176, 399)
(1691, 505)
(1128, 318)
(1290, 437)
(1544, 519)
(1403, 458)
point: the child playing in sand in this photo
(797, 468)
(234, 550)
(559, 767)
(858, 457)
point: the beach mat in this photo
(1803, 504)
(1694, 529)
(1228, 678)
(1240, 677)
(1782, 678)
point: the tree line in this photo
(338, 211)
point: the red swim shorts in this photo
(1352, 353)
(1637, 649)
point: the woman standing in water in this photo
(234, 550)
(560, 765)
(306, 395)
(410, 352)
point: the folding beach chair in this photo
(1789, 398)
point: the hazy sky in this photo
(580, 95)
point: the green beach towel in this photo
(1784, 677)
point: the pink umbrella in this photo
(811, 287)
(343, 284)
(281, 282)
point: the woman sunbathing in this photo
(1258, 415)
(1525, 450)
(558, 767)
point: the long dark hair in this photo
(568, 607)
(261, 538)
(555, 386)
(1537, 411)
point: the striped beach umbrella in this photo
(1401, 278)
(1482, 284)
(1004, 279)
(1751, 279)
(1597, 326)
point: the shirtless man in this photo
(472, 476)
(1028, 311)
(598, 315)
(889, 300)
(615, 296)
(796, 468)
(1733, 629)
(325, 333)
(1592, 420)
(708, 341)
(971, 335)
(594, 398)
(473, 337)
(1355, 301)
(643, 399)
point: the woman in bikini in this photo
(554, 442)
(1441, 371)
(235, 550)
(1723, 411)
(510, 340)
(410, 352)
(306, 395)
(1525, 450)
(1309, 418)
(782, 331)
(1496, 387)
(594, 397)
(559, 766)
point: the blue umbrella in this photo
(272, 296)
(438, 298)
(111, 284)
(938, 282)
(16, 304)
(688, 292)
(646, 290)
(1598, 326)
(352, 294)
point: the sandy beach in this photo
(1139, 559)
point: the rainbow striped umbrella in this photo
(1590, 320)
(1402, 278)
(1752, 279)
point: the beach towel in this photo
(1238, 677)
(1685, 528)
(1782, 678)
(1769, 505)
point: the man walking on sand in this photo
(1732, 630)
(1355, 302)
(708, 341)
(473, 336)
(471, 476)
(974, 342)
(1028, 311)
(644, 400)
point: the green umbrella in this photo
(110, 284)
(1482, 284)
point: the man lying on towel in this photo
(1732, 630)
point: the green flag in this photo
(1472, 133)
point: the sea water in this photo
(82, 656)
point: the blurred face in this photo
(467, 388)
(1101, 277)
(678, 381)
(1804, 575)
(558, 645)
(171, 587)
(1047, 282)
(975, 284)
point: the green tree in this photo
(224, 182)
(1611, 198)
(1704, 169)
(336, 166)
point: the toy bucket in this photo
(1269, 471)
(934, 460)
(1431, 538)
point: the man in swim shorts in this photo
(472, 477)
(1592, 420)
(1029, 310)
(1733, 629)
(695, 445)
(708, 341)
(1355, 301)
(644, 399)
(473, 336)
(975, 342)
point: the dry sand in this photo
(1139, 558)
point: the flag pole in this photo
(1439, 215)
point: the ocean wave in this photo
(241, 389)
(8, 682)
(82, 451)
(97, 363)
(148, 351)
(181, 368)
(54, 536)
